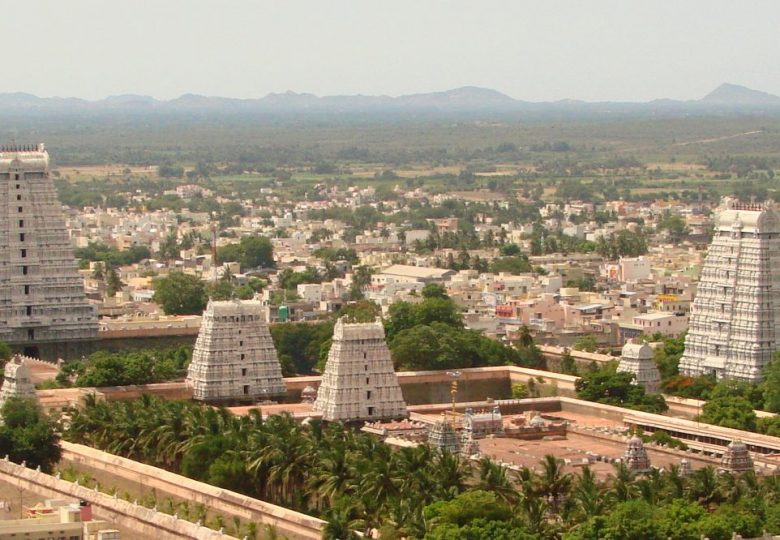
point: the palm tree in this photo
(674, 482)
(651, 486)
(334, 475)
(493, 477)
(553, 482)
(704, 486)
(588, 496)
(340, 521)
(623, 488)
(448, 473)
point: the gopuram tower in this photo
(234, 359)
(359, 382)
(735, 316)
(42, 302)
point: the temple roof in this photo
(28, 157)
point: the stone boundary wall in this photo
(116, 511)
(552, 351)
(289, 523)
(676, 452)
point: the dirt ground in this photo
(574, 449)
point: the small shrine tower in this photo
(17, 382)
(639, 359)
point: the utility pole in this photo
(214, 260)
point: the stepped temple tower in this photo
(442, 435)
(736, 458)
(735, 316)
(359, 382)
(635, 457)
(42, 296)
(639, 359)
(234, 359)
(17, 382)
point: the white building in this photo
(735, 316)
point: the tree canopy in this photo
(180, 294)
(607, 385)
(250, 252)
(27, 434)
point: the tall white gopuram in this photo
(639, 359)
(359, 382)
(234, 357)
(42, 296)
(735, 316)
(17, 381)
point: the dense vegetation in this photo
(96, 251)
(27, 434)
(180, 294)
(105, 368)
(607, 385)
(356, 482)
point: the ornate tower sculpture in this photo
(234, 357)
(442, 435)
(359, 382)
(635, 456)
(735, 317)
(736, 458)
(42, 296)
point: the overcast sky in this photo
(633, 50)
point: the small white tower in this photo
(638, 358)
(17, 382)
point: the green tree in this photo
(729, 411)
(586, 343)
(27, 434)
(180, 294)
(518, 264)
(113, 283)
(434, 290)
(607, 385)
(772, 385)
(250, 252)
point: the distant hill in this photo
(466, 102)
(734, 94)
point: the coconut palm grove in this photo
(357, 483)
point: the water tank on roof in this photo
(284, 313)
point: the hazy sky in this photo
(534, 50)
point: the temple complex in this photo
(639, 359)
(735, 316)
(635, 456)
(17, 382)
(234, 357)
(359, 382)
(42, 296)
